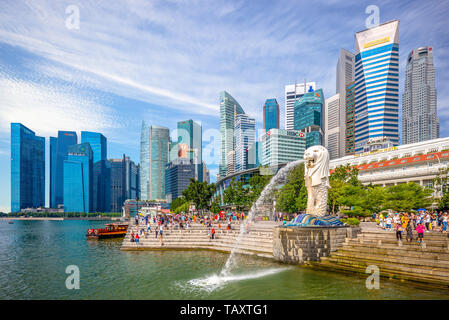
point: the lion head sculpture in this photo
(317, 165)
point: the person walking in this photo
(137, 238)
(409, 229)
(212, 233)
(156, 231)
(161, 232)
(420, 229)
(399, 232)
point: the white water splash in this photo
(216, 281)
(256, 208)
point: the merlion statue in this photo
(316, 175)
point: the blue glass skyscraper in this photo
(308, 117)
(78, 172)
(101, 171)
(270, 115)
(58, 153)
(377, 85)
(27, 168)
(189, 134)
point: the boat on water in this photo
(10, 222)
(111, 230)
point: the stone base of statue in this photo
(308, 220)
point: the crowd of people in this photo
(421, 222)
(182, 222)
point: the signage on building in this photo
(182, 150)
(375, 151)
(376, 42)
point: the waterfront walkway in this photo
(426, 263)
(258, 241)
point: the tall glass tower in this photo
(101, 171)
(190, 135)
(270, 115)
(419, 101)
(308, 117)
(154, 155)
(27, 168)
(78, 179)
(229, 108)
(244, 136)
(58, 153)
(376, 85)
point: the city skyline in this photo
(76, 99)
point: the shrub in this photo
(351, 221)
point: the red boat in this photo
(112, 230)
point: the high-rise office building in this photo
(333, 139)
(230, 169)
(206, 173)
(270, 115)
(281, 146)
(255, 154)
(229, 108)
(124, 182)
(190, 136)
(58, 153)
(350, 120)
(27, 168)
(154, 154)
(419, 100)
(78, 179)
(101, 183)
(345, 76)
(292, 93)
(377, 84)
(177, 177)
(308, 117)
(244, 137)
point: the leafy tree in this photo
(346, 174)
(374, 201)
(257, 183)
(292, 197)
(215, 205)
(441, 183)
(182, 208)
(177, 202)
(407, 197)
(199, 193)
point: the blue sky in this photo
(166, 61)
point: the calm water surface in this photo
(34, 256)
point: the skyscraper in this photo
(58, 153)
(154, 153)
(177, 177)
(333, 140)
(270, 115)
(190, 135)
(244, 137)
(345, 76)
(229, 108)
(292, 93)
(78, 179)
(27, 168)
(419, 101)
(377, 84)
(350, 120)
(281, 146)
(308, 117)
(124, 182)
(101, 201)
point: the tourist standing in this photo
(137, 238)
(212, 233)
(388, 221)
(409, 231)
(420, 229)
(399, 232)
(161, 231)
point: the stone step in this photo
(196, 245)
(360, 267)
(398, 251)
(400, 260)
(414, 244)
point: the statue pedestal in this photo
(297, 245)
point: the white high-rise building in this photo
(377, 85)
(244, 137)
(419, 101)
(333, 139)
(292, 93)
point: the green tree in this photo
(182, 208)
(215, 205)
(374, 201)
(177, 202)
(257, 183)
(407, 197)
(199, 193)
(441, 183)
(292, 197)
